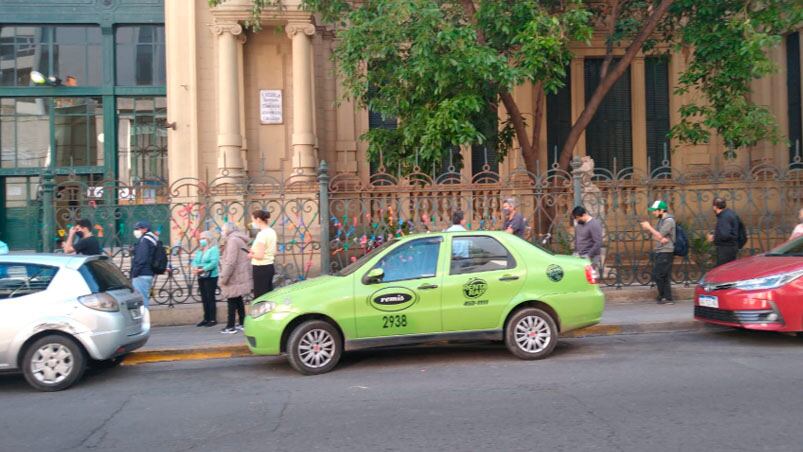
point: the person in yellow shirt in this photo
(263, 251)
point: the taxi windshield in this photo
(790, 248)
(351, 268)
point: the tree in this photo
(441, 66)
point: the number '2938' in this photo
(394, 321)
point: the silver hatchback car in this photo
(57, 312)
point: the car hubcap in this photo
(532, 334)
(316, 348)
(52, 363)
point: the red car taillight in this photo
(592, 275)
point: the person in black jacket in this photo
(726, 233)
(141, 270)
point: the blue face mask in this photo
(204, 242)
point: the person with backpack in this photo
(663, 234)
(145, 259)
(726, 236)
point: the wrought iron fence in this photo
(364, 215)
(361, 216)
(180, 211)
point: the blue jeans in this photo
(142, 284)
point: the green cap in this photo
(657, 205)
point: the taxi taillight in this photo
(592, 275)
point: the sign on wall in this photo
(270, 106)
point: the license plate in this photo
(709, 301)
(137, 313)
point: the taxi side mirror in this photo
(374, 275)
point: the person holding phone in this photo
(663, 235)
(235, 280)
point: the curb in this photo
(239, 351)
(635, 328)
(188, 354)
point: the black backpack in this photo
(681, 242)
(159, 261)
(741, 239)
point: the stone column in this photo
(638, 115)
(303, 141)
(229, 140)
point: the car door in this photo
(483, 277)
(20, 287)
(407, 298)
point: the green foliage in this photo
(729, 40)
(440, 68)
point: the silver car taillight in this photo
(100, 302)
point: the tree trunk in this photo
(607, 83)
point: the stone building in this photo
(175, 90)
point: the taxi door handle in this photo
(509, 278)
(427, 286)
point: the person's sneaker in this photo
(202, 323)
(665, 301)
(212, 323)
(238, 327)
(228, 331)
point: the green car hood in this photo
(280, 294)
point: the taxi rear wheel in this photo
(531, 334)
(314, 347)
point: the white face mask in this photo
(137, 233)
(253, 225)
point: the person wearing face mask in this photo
(141, 262)
(513, 221)
(204, 267)
(798, 231)
(262, 254)
(587, 236)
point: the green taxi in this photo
(436, 286)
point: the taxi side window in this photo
(17, 280)
(479, 254)
(412, 260)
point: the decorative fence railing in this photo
(358, 216)
(362, 216)
(180, 211)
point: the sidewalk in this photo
(176, 343)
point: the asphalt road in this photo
(711, 390)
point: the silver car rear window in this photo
(101, 276)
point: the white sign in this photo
(270, 106)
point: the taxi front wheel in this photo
(531, 334)
(314, 347)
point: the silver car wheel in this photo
(532, 334)
(316, 348)
(52, 364)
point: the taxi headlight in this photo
(768, 282)
(262, 308)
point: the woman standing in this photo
(204, 266)
(262, 253)
(235, 274)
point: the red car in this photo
(763, 292)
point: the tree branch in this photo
(609, 42)
(610, 79)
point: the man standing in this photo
(141, 262)
(587, 236)
(664, 236)
(513, 220)
(87, 244)
(726, 233)
(458, 222)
